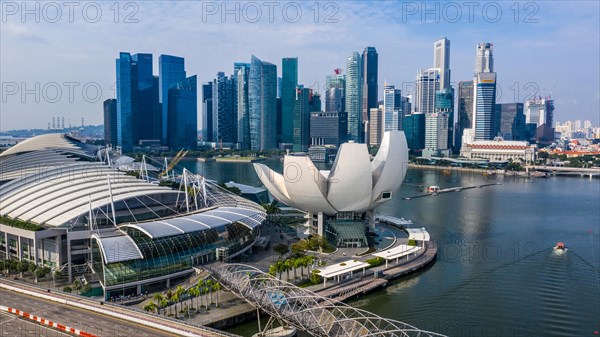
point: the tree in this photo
(67, 289)
(280, 249)
(23, 266)
(151, 307)
(289, 264)
(218, 288)
(158, 298)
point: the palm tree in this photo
(158, 297)
(150, 307)
(169, 296)
(209, 284)
(297, 264)
(77, 285)
(218, 288)
(194, 292)
(289, 264)
(163, 304)
(179, 292)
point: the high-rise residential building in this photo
(225, 108)
(484, 59)
(243, 107)
(369, 86)
(262, 100)
(441, 60)
(464, 109)
(511, 121)
(353, 99)
(414, 129)
(328, 128)
(289, 82)
(392, 108)
(207, 112)
(337, 81)
(183, 115)
(171, 70)
(110, 121)
(484, 115)
(375, 126)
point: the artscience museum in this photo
(340, 202)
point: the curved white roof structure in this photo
(354, 184)
(52, 180)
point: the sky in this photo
(58, 59)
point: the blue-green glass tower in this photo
(171, 70)
(289, 82)
(183, 115)
(262, 100)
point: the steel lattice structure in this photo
(304, 309)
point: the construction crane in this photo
(174, 162)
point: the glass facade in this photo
(183, 115)
(171, 70)
(172, 254)
(289, 82)
(485, 106)
(262, 100)
(353, 92)
(126, 98)
(224, 108)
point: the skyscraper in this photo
(353, 100)
(438, 139)
(375, 126)
(484, 116)
(171, 70)
(369, 88)
(262, 99)
(484, 121)
(146, 117)
(465, 109)
(183, 115)
(333, 100)
(392, 108)
(338, 81)
(137, 100)
(441, 60)
(427, 83)
(328, 128)
(243, 107)
(207, 112)
(484, 59)
(289, 82)
(110, 121)
(301, 119)
(511, 121)
(225, 112)
(414, 129)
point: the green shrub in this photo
(375, 262)
(20, 224)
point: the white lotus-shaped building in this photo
(356, 184)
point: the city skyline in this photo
(320, 47)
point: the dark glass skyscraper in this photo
(369, 86)
(183, 115)
(465, 109)
(243, 107)
(414, 129)
(289, 82)
(262, 100)
(207, 112)
(171, 70)
(126, 101)
(225, 114)
(301, 119)
(110, 121)
(511, 121)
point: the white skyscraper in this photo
(484, 60)
(441, 60)
(427, 83)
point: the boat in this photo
(560, 248)
(433, 189)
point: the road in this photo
(84, 320)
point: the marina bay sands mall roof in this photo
(137, 229)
